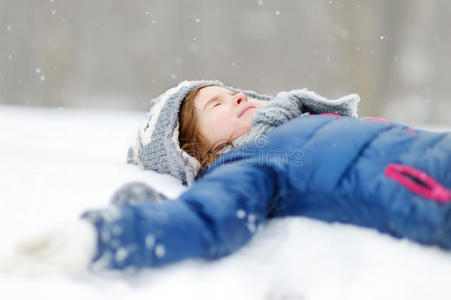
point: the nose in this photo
(239, 97)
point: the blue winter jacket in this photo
(368, 172)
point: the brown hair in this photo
(190, 138)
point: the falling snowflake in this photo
(121, 254)
(241, 214)
(252, 218)
(150, 241)
(160, 251)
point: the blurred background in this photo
(118, 54)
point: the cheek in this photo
(220, 117)
(220, 126)
(228, 123)
(217, 125)
(223, 124)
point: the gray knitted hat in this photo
(157, 146)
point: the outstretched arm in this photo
(218, 215)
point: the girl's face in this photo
(222, 114)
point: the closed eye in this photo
(217, 104)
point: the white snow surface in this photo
(57, 163)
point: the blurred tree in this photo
(118, 54)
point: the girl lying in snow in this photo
(249, 158)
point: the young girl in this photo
(248, 158)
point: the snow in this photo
(57, 163)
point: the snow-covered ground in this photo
(57, 163)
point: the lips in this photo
(245, 110)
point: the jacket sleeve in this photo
(218, 215)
